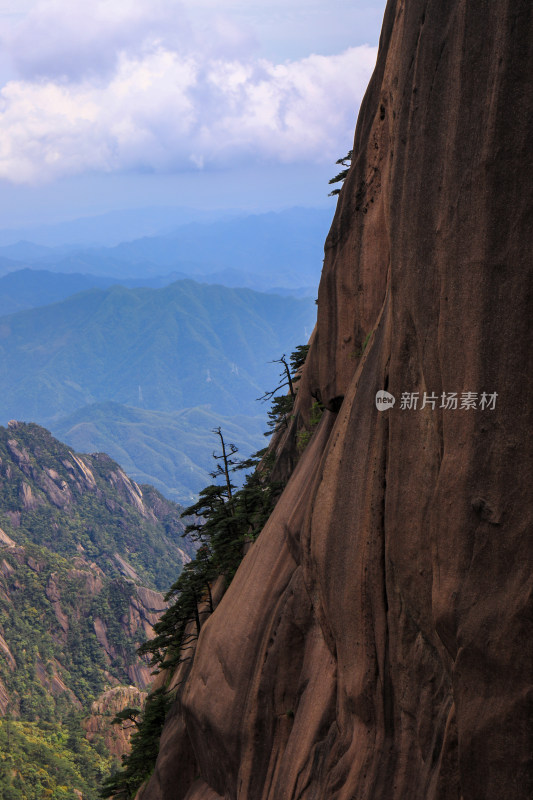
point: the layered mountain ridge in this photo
(376, 640)
(146, 374)
(235, 249)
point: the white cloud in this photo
(123, 86)
(74, 39)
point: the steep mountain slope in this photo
(376, 639)
(83, 553)
(51, 497)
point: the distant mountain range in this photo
(26, 288)
(115, 348)
(30, 288)
(167, 349)
(171, 451)
(261, 251)
(113, 227)
(149, 355)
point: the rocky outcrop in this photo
(145, 606)
(28, 499)
(6, 653)
(4, 699)
(5, 540)
(53, 594)
(100, 722)
(49, 677)
(376, 640)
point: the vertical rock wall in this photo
(376, 642)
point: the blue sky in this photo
(209, 103)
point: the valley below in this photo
(85, 558)
(146, 374)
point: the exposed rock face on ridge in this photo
(83, 552)
(103, 711)
(76, 504)
(376, 640)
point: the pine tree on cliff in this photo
(222, 520)
(341, 176)
(137, 766)
(282, 405)
(216, 525)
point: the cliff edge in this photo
(376, 640)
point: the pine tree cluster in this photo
(221, 522)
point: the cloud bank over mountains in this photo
(127, 86)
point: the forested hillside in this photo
(184, 345)
(84, 553)
(206, 350)
(170, 450)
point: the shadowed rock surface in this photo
(376, 640)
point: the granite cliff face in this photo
(376, 640)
